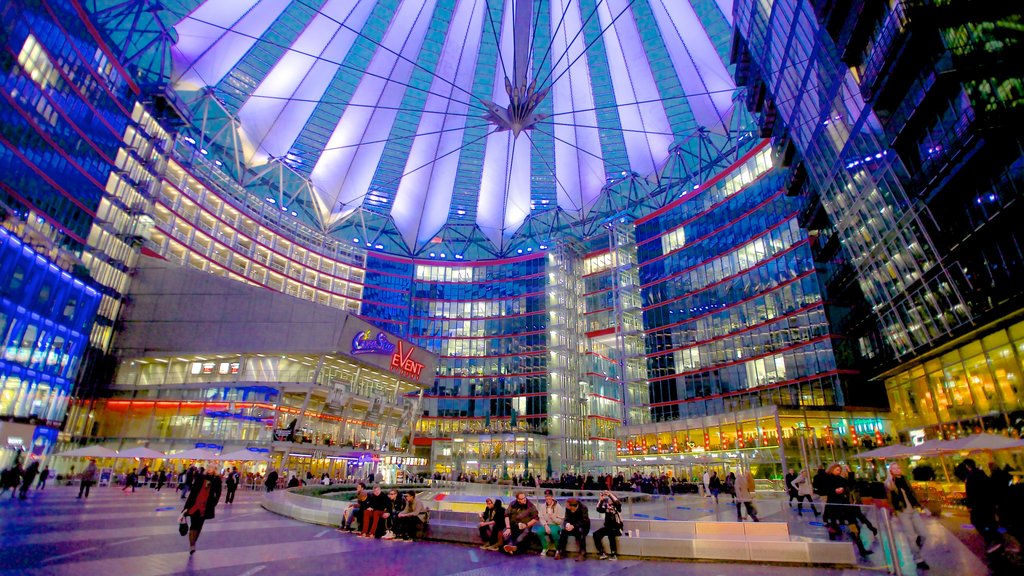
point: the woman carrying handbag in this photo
(202, 500)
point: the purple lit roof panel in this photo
(648, 132)
(345, 169)
(275, 114)
(215, 36)
(579, 170)
(424, 195)
(700, 70)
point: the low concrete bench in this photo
(688, 540)
(733, 541)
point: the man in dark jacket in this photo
(519, 521)
(271, 481)
(982, 504)
(231, 483)
(202, 500)
(790, 489)
(377, 504)
(577, 525)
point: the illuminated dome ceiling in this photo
(473, 128)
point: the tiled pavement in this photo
(117, 534)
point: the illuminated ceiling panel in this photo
(445, 126)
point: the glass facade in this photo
(962, 389)
(308, 412)
(45, 318)
(899, 120)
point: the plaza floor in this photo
(117, 534)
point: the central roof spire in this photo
(522, 98)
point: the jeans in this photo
(579, 535)
(800, 504)
(83, 488)
(547, 541)
(518, 535)
(612, 535)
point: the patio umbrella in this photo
(243, 456)
(140, 452)
(982, 443)
(928, 447)
(195, 454)
(890, 451)
(94, 451)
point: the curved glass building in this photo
(628, 236)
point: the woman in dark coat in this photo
(838, 509)
(202, 500)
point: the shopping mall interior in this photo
(509, 237)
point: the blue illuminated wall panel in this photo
(45, 318)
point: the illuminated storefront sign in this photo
(401, 355)
(363, 343)
(380, 349)
(403, 363)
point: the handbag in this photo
(182, 524)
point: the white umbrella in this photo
(982, 443)
(890, 451)
(195, 454)
(94, 451)
(929, 447)
(140, 452)
(244, 456)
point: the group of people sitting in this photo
(508, 528)
(391, 516)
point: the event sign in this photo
(369, 344)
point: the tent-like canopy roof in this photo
(469, 128)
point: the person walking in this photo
(551, 516)
(802, 483)
(715, 485)
(201, 505)
(611, 507)
(706, 482)
(42, 478)
(130, 481)
(520, 519)
(231, 483)
(577, 525)
(271, 481)
(28, 477)
(87, 478)
(744, 485)
(837, 508)
(791, 490)
(982, 505)
(905, 509)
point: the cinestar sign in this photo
(401, 356)
(364, 343)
